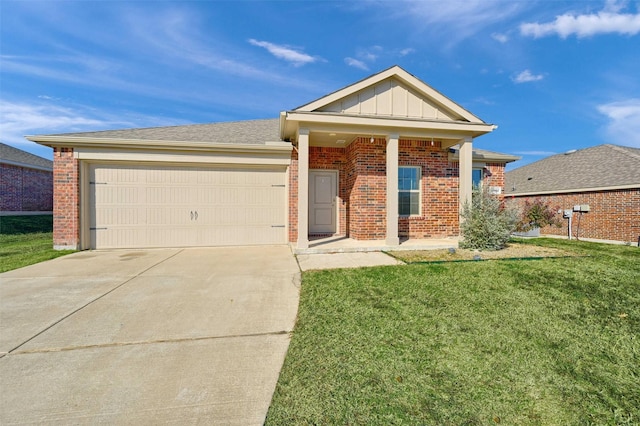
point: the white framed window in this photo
(409, 190)
(476, 177)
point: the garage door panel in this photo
(163, 206)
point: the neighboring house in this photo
(370, 161)
(604, 177)
(26, 181)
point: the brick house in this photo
(26, 182)
(384, 158)
(605, 177)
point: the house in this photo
(26, 182)
(606, 178)
(371, 161)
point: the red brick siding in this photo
(25, 189)
(439, 184)
(366, 189)
(614, 215)
(66, 219)
(494, 175)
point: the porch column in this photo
(392, 190)
(465, 184)
(303, 188)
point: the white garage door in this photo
(160, 206)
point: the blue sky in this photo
(553, 75)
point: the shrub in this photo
(487, 223)
(537, 214)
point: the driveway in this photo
(146, 336)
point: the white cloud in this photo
(623, 127)
(527, 76)
(457, 20)
(607, 21)
(406, 51)
(285, 52)
(352, 62)
(20, 119)
(502, 38)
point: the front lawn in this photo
(550, 341)
(25, 240)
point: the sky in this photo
(552, 75)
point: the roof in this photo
(602, 167)
(18, 157)
(484, 155)
(252, 132)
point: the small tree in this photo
(537, 214)
(487, 223)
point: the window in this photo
(476, 178)
(409, 191)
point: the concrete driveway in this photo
(146, 336)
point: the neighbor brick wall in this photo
(66, 184)
(614, 215)
(24, 189)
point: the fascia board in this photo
(157, 144)
(309, 119)
(487, 159)
(570, 191)
(26, 165)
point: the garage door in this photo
(158, 206)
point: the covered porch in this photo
(371, 166)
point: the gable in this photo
(392, 93)
(391, 98)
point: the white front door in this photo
(322, 201)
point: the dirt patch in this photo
(512, 251)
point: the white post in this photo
(465, 184)
(303, 188)
(392, 190)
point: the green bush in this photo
(537, 214)
(487, 223)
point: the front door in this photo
(322, 201)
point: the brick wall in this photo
(366, 188)
(439, 183)
(25, 189)
(494, 175)
(614, 215)
(66, 220)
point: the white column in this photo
(303, 189)
(465, 184)
(392, 190)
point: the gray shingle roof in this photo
(236, 132)
(602, 166)
(11, 155)
(483, 154)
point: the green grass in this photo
(11, 225)
(537, 342)
(25, 240)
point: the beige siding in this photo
(390, 98)
(160, 206)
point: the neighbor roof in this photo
(253, 132)
(591, 169)
(18, 157)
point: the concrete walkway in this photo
(146, 336)
(309, 262)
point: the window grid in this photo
(409, 190)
